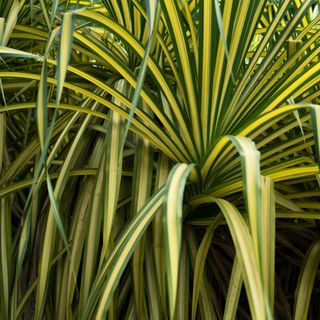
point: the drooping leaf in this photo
(172, 221)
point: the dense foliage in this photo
(159, 159)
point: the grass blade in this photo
(143, 68)
(268, 237)
(42, 107)
(112, 172)
(249, 263)
(161, 179)
(45, 13)
(5, 249)
(205, 299)
(11, 22)
(250, 158)
(142, 181)
(234, 290)
(153, 300)
(2, 29)
(172, 228)
(200, 263)
(306, 280)
(183, 285)
(14, 53)
(65, 46)
(119, 257)
(93, 234)
(54, 219)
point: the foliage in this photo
(159, 159)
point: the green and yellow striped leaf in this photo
(306, 280)
(172, 221)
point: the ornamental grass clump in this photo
(159, 159)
